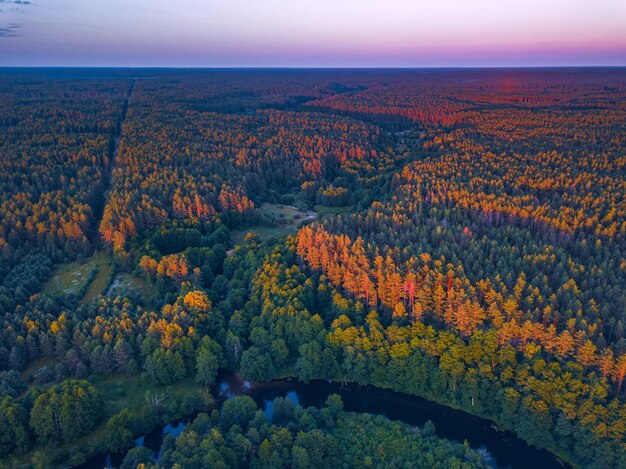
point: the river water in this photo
(500, 448)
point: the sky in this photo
(320, 33)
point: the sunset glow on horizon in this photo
(368, 33)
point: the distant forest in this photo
(458, 235)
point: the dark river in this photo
(501, 449)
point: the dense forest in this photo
(454, 235)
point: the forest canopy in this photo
(455, 235)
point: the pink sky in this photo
(318, 33)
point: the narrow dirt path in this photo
(118, 138)
(98, 206)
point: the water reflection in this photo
(268, 405)
(231, 385)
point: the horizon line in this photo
(309, 67)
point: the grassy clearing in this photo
(127, 284)
(284, 214)
(101, 281)
(283, 220)
(263, 233)
(323, 210)
(72, 278)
